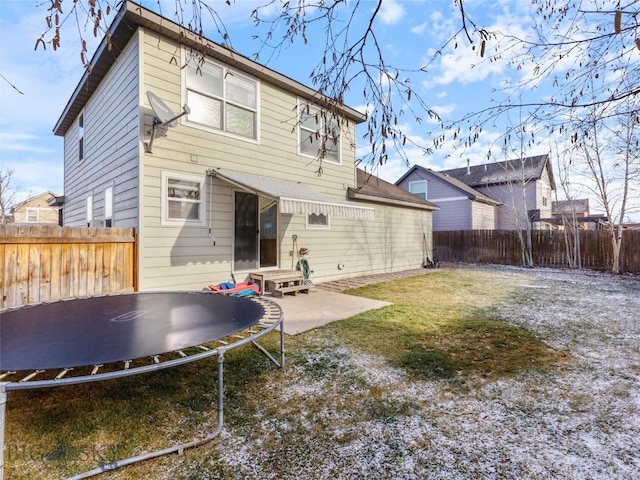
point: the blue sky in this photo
(408, 32)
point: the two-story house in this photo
(503, 195)
(231, 186)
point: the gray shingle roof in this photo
(580, 205)
(528, 168)
(374, 188)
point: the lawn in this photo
(471, 373)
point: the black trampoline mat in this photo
(100, 330)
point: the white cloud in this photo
(419, 29)
(391, 12)
(444, 110)
(461, 62)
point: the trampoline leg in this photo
(281, 345)
(3, 404)
(220, 389)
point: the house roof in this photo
(454, 182)
(48, 194)
(375, 189)
(125, 24)
(528, 168)
(580, 205)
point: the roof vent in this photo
(468, 167)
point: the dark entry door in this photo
(246, 233)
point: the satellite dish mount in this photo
(164, 116)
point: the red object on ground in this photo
(228, 288)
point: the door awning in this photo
(294, 197)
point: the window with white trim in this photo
(419, 188)
(318, 220)
(32, 215)
(319, 133)
(183, 199)
(81, 137)
(108, 207)
(89, 210)
(221, 99)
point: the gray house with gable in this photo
(501, 195)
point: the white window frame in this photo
(419, 182)
(303, 107)
(108, 206)
(81, 136)
(316, 226)
(31, 210)
(89, 210)
(226, 71)
(176, 222)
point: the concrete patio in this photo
(325, 302)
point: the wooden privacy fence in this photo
(549, 248)
(46, 262)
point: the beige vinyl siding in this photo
(392, 242)
(483, 216)
(543, 189)
(173, 257)
(274, 154)
(111, 143)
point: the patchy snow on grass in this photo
(346, 415)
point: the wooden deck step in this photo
(294, 289)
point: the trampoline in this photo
(105, 337)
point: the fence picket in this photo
(41, 263)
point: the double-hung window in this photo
(319, 133)
(32, 215)
(182, 199)
(221, 99)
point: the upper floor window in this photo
(81, 137)
(419, 188)
(319, 133)
(222, 99)
(182, 199)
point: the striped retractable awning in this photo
(294, 197)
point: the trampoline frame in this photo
(271, 319)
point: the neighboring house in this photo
(569, 212)
(230, 187)
(36, 210)
(461, 207)
(501, 195)
(577, 208)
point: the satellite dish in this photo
(164, 116)
(162, 111)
